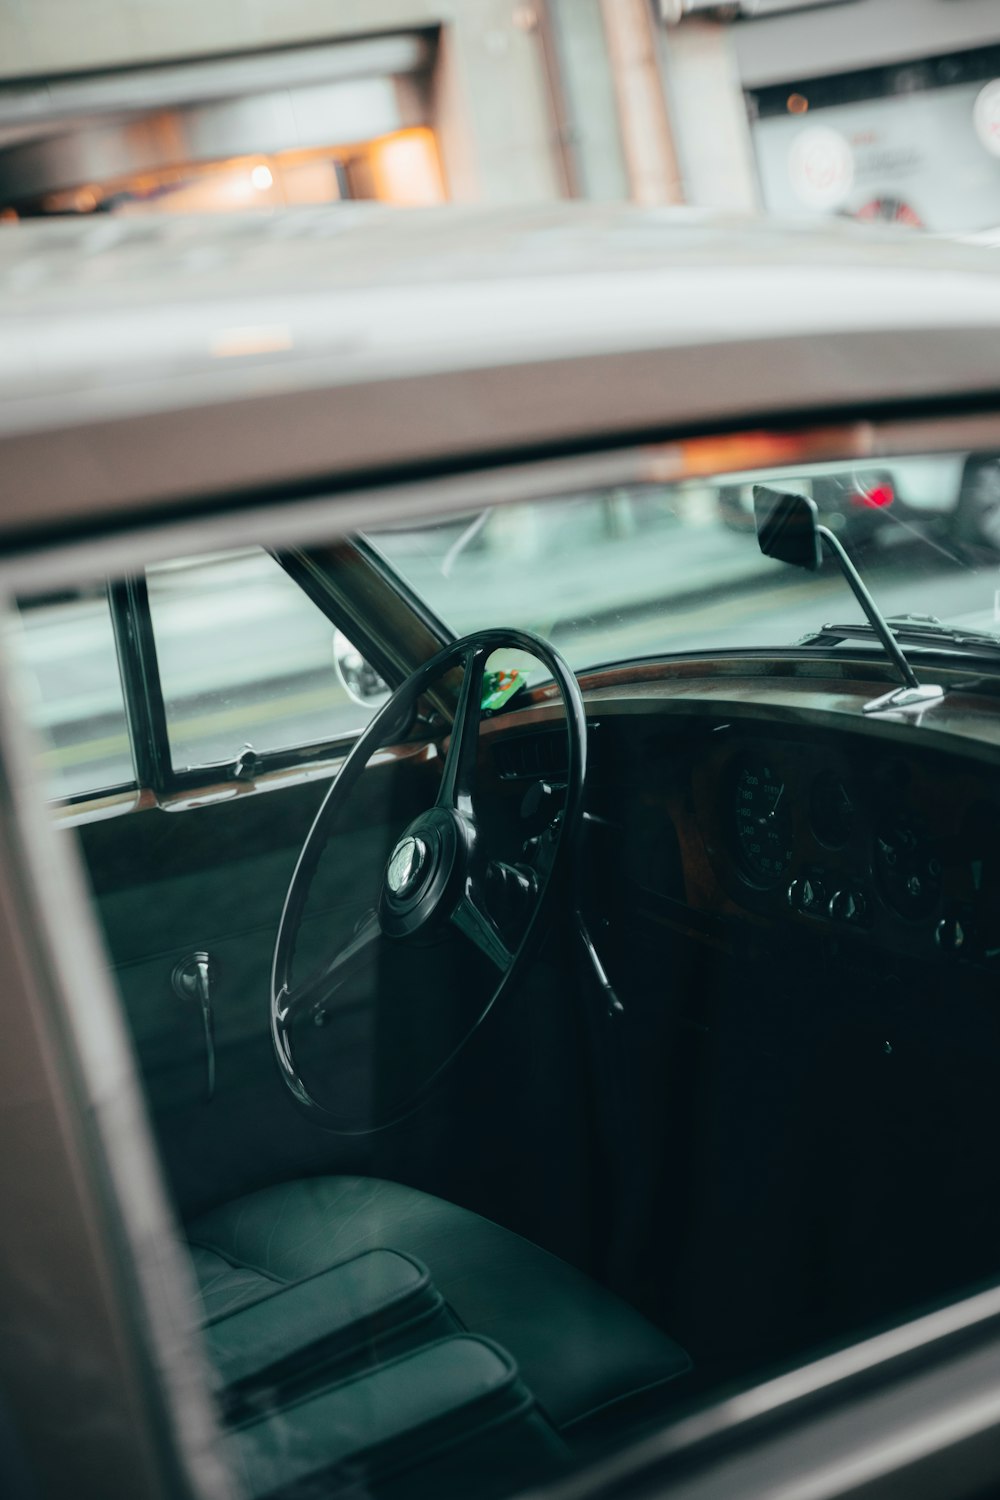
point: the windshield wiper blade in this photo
(467, 536)
(912, 630)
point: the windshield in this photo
(646, 570)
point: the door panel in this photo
(212, 879)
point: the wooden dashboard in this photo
(766, 795)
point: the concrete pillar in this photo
(493, 113)
(588, 108)
(708, 113)
(646, 130)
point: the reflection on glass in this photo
(68, 667)
(618, 574)
(416, 890)
(244, 658)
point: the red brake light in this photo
(875, 498)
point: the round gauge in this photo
(762, 820)
(908, 866)
(831, 810)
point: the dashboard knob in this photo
(949, 934)
(541, 798)
(848, 905)
(806, 894)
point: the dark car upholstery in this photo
(581, 1351)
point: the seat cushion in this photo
(580, 1349)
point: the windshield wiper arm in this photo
(913, 630)
(463, 540)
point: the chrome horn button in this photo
(406, 864)
(423, 871)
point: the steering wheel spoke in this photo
(456, 779)
(319, 988)
(478, 926)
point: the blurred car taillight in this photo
(875, 496)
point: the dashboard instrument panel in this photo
(766, 799)
(761, 820)
(843, 832)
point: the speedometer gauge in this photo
(831, 810)
(762, 820)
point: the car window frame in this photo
(108, 790)
(316, 574)
(942, 1355)
(84, 1156)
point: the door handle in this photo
(192, 980)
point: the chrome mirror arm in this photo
(913, 694)
(788, 530)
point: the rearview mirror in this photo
(787, 527)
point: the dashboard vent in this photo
(532, 755)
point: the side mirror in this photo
(787, 527)
(359, 680)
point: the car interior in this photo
(563, 1047)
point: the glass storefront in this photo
(917, 144)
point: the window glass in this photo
(726, 1101)
(619, 573)
(245, 658)
(65, 653)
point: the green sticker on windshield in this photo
(500, 687)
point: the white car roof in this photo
(147, 361)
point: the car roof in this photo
(148, 361)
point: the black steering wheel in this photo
(446, 898)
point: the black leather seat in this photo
(587, 1356)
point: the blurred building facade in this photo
(156, 104)
(870, 108)
(875, 109)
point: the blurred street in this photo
(246, 658)
(801, 109)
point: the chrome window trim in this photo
(930, 1434)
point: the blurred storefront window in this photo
(917, 144)
(309, 125)
(402, 168)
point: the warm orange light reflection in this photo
(733, 452)
(401, 168)
(242, 342)
(405, 168)
(797, 104)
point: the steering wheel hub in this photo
(406, 865)
(424, 872)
